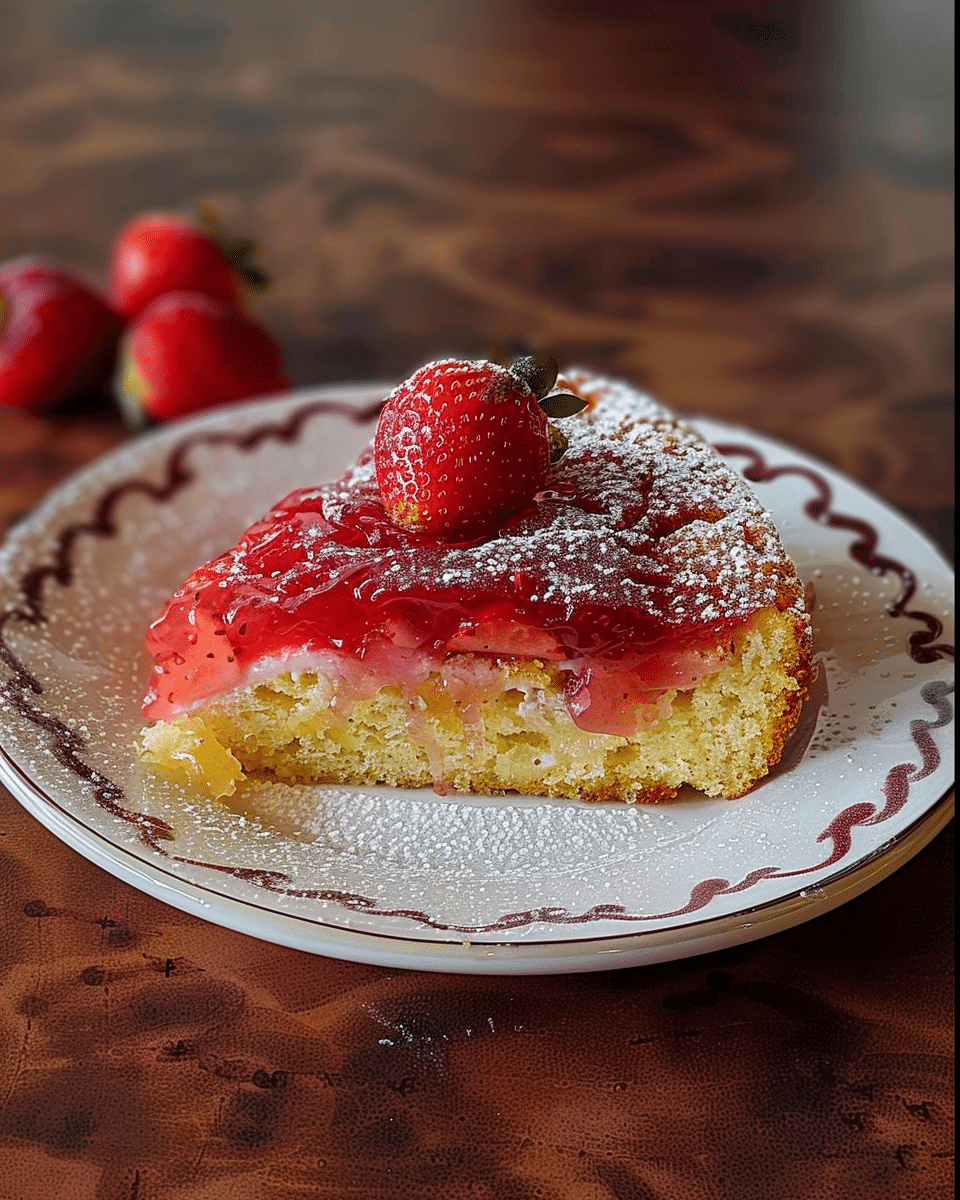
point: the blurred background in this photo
(746, 207)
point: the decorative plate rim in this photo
(285, 419)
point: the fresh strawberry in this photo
(186, 352)
(163, 252)
(463, 446)
(58, 338)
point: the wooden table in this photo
(713, 201)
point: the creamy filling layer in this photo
(621, 695)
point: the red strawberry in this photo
(186, 352)
(463, 446)
(162, 252)
(58, 338)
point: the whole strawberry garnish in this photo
(58, 337)
(186, 352)
(159, 252)
(463, 446)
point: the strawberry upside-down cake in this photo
(487, 602)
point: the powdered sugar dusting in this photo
(639, 512)
(423, 837)
(641, 534)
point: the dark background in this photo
(745, 207)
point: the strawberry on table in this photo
(463, 446)
(58, 337)
(187, 352)
(159, 252)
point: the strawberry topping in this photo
(629, 569)
(460, 447)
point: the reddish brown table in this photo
(745, 209)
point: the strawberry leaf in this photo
(562, 404)
(537, 371)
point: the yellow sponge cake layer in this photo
(514, 735)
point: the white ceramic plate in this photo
(410, 879)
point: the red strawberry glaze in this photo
(631, 572)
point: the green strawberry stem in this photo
(558, 443)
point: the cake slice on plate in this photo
(487, 602)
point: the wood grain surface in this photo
(710, 199)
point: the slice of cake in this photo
(485, 604)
